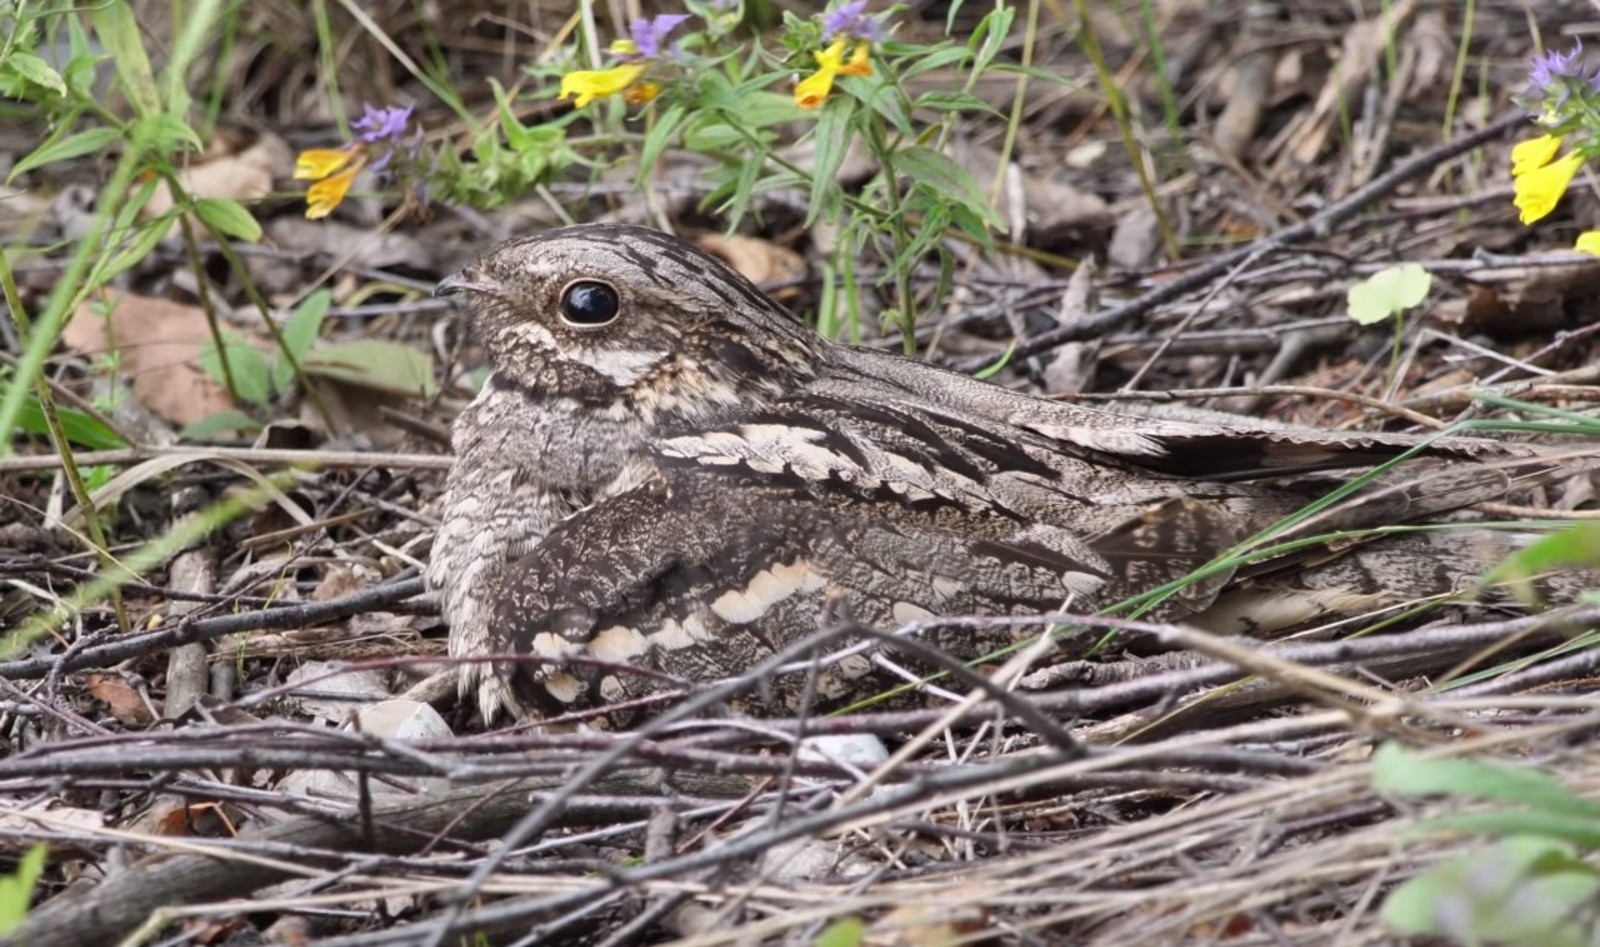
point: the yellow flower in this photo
(334, 170)
(813, 89)
(314, 164)
(1533, 154)
(589, 84)
(1539, 189)
(1588, 242)
(859, 64)
(323, 196)
(641, 93)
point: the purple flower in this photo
(1547, 70)
(386, 126)
(1552, 78)
(851, 20)
(377, 124)
(649, 34)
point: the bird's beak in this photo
(463, 282)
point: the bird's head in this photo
(616, 315)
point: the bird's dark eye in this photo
(588, 302)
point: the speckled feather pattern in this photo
(704, 480)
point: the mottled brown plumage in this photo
(690, 478)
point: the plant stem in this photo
(1124, 123)
(67, 293)
(58, 438)
(898, 237)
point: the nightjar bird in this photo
(667, 471)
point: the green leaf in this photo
(228, 216)
(660, 137)
(832, 137)
(196, 28)
(212, 426)
(828, 322)
(36, 71)
(992, 368)
(299, 334)
(165, 132)
(81, 72)
(941, 176)
(1388, 292)
(973, 226)
(516, 133)
(760, 108)
(845, 932)
(61, 147)
(141, 245)
(82, 429)
(744, 188)
(884, 100)
(938, 59)
(1400, 771)
(251, 379)
(990, 37)
(1522, 892)
(375, 363)
(1577, 545)
(715, 93)
(16, 889)
(84, 66)
(960, 103)
(1577, 830)
(709, 133)
(118, 32)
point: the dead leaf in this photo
(928, 925)
(1303, 139)
(201, 819)
(239, 163)
(48, 820)
(1515, 302)
(761, 261)
(358, 415)
(121, 700)
(1056, 210)
(375, 363)
(353, 246)
(159, 342)
(1071, 368)
(1249, 87)
(1136, 240)
(339, 580)
(1435, 53)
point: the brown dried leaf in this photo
(355, 246)
(1517, 302)
(1360, 56)
(1249, 88)
(928, 925)
(238, 164)
(339, 580)
(202, 819)
(1054, 207)
(761, 261)
(47, 819)
(160, 343)
(121, 700)
(1435, 53)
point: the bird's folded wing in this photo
(743, 539)
(1193, 450)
